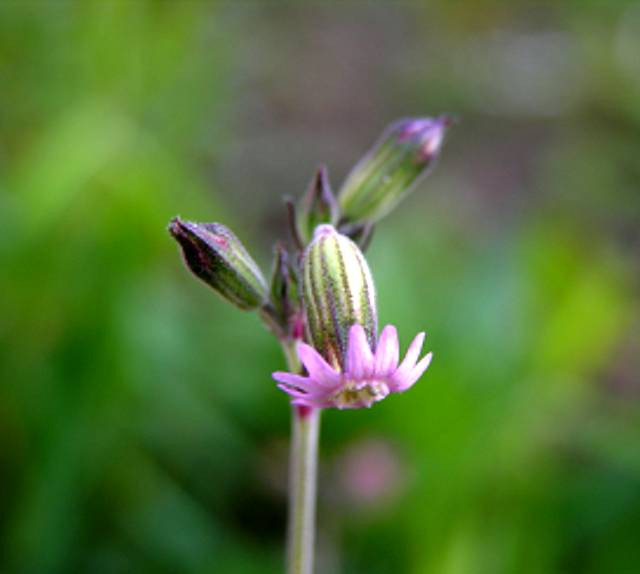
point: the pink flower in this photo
(369, 376)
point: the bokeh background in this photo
(139, 428)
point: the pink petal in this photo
(412, 354)
(403, 382)
(302, 394)
(319, 370)
(360, 362)
(387, 352)
(292, 380)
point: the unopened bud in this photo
(391, 168)
(317, 206)
(283, 287)
(215, 255)
(337, 292)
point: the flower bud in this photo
(391, 168)
(337, 292)
(215, 255)
(283, 287)
(318, 205)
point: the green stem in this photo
(302, 480)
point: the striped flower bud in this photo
(215, 255)
(337, 292)
(391, 168)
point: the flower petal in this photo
(319, 370)
(297, 393)
(297, 381)
(387, 352)
(403, 381)
(292, 391)
(412, 353)
(360, 362)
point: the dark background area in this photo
(140, 430)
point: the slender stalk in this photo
(303, 463)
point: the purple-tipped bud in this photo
(337, 292)
(391, 168)
(215, 255)
(317, 206)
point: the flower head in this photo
(369, 375)
(347, 366)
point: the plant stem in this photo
(303, 463)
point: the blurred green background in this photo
(139, 428)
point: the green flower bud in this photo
(215, 255)
(318, 205)
(337, 292)
(391, 168)
(284, 296)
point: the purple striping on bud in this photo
(391, 168)
(216, 256)
(337, 292)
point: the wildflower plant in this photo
(320, 302)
